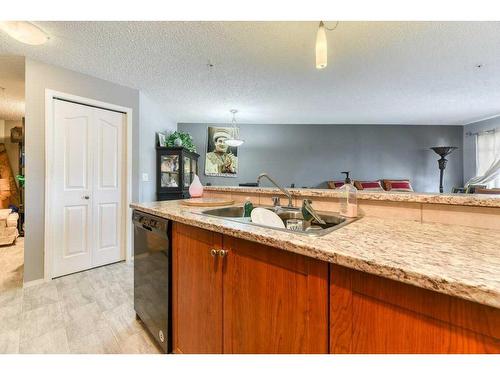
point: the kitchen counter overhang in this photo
(455, 260)
(475, 200)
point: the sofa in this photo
(8, 226)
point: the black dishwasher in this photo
(152, 269)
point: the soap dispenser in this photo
(348, 198)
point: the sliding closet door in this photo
(107, 189)
(87, 185)
(72, 186)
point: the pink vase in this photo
(196, 188)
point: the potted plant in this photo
(181, 139)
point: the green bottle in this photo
(247, 208)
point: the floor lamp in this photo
(442, 151)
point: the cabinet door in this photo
(187, 175)
(373, 315)
(169, 172)
(197, 291)
(274, 301)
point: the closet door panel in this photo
(108, 187)
(72, 184)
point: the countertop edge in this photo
(476, 200)
(453, 288)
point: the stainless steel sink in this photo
(333, 221)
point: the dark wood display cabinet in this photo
(175, 170)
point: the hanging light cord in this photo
(333, 28)
(233, 121)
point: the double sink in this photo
(332, 220)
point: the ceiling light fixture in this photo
(25, 32)
(235, 141)
(322, 45)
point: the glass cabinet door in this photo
(169, 170)
(187, 177)
(194, 167)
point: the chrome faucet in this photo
(283, 190)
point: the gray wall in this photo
(40, 76)
(309, 155)
(153, 119)
(470, 144)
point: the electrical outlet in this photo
(145, 177)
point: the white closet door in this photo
(107, 189)
(87, 185)
(72, 185)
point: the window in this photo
(487, 155)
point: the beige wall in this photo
(40, 76)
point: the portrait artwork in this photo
(221, 160)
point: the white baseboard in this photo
(34, 282)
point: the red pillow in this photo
(368, 185)
(335, 184)
(398, 185)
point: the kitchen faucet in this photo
(286, 192)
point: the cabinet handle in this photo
(214, 252)
(223, 253)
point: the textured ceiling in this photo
(12, 87)
(378, 72)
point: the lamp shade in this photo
(234, 142)
(321, 47)
(443, 150)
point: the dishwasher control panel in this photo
(150, 221)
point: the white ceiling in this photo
(12, 87)
(378, 72)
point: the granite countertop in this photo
(451, 259)
(480, 200)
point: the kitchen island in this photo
(377, 285)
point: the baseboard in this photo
(33, 283)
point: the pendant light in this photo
(235, 141)
(25, 32)
(322, 45)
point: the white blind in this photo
(487, 154)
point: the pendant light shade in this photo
(321, 47)
(235, 141)
(25, 32)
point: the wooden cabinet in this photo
(258, 299)
(196, 291)
(255, 299)
(274, 301)
(371, 314)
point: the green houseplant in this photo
(186, 139)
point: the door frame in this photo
(50, 95)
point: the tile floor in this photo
(88, 312)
